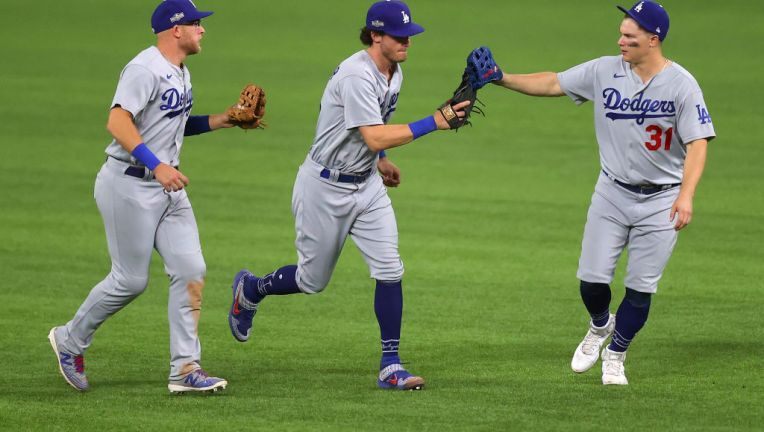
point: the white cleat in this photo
(612, 367)
(588, 350)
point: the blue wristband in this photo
(382, 154)
(145, 156)
(423, 127)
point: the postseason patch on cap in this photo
(377, 23)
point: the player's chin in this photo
(402, 56)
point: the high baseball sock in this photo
(630, 318)
(596, 297)
(388, 306)
(280, 282)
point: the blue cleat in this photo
(196, 381)
(71, 366)
(242, 310)
(395, 377)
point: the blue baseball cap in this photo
(393, 18)
(170, 13)
(651, 16)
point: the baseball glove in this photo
(482, 68)
(465, 91)
(248, 112)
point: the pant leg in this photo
(605, 233)
(177, 240)
(651, 241)
(375, 232)
(131, 209)
(323, 213)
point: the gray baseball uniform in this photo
(326, 210)
(642, 130)
(139, 215)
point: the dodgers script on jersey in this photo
(357, 95)
(158, 95)
(662, 116)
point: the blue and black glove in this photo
(482, 68)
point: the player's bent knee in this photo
(393, 273)
(638, 299)
(130, 284)
(190, 270)
(310, 285)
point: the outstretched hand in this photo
(457, 110)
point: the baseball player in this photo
(140, 195)
(653, 127)
(340, 187)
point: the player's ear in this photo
(177, 32)
(376, 37)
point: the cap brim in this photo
(632, 16)
(198, 15)
(411, 30)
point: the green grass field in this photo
(490, 223)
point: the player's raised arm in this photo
(482, 69)
(382, 137)
(535, 84)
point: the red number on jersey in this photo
(656, 137)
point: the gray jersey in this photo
(642, 129)
(357, 95)
(158, 95)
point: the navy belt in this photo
(140, 172)
(137, 171)
(647, 189)
(346, 178)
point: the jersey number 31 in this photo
(657, 136)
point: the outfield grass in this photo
(490, 226)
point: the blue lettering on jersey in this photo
(176, 103)
(703, 116)
(390, 109)
(637, 109)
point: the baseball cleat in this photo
(588, 350)
(71, 366)
(612, 367)
(242, 310)
(197, 381)
(395, 377)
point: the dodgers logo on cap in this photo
(651, 16)
(170, 13)
(393, 18)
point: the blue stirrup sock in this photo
(630, 318)
(388, 306)
(280, 282)
(596, 297)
